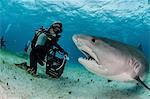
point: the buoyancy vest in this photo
(50, 39)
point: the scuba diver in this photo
(43, 44)
(2, 42)
(43, 41)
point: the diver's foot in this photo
(31, 71)
(22, 65)
(41, 62)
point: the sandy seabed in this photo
(75, 83)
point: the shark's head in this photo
(87, 45)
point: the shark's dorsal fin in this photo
(140, 47)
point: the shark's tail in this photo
(139, 80)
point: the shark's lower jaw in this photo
(86, 59)
(88, 63)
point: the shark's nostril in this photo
(76, 38)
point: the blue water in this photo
(125, 20)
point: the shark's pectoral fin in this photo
(140, 81)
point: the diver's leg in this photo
(33, 63)
(40, 54)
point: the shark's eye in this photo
(93, 40)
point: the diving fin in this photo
(22, 65)
(139, 80)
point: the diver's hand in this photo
(65, 53)
(66, 57)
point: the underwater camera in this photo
(55, 63)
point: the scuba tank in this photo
(38, 32)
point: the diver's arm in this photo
(60, 48)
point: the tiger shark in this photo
(112, 59)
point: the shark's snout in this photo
(74, 38)
(77, 39)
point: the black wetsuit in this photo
(38, 53)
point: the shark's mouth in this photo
(88, 57)
(87, 51)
